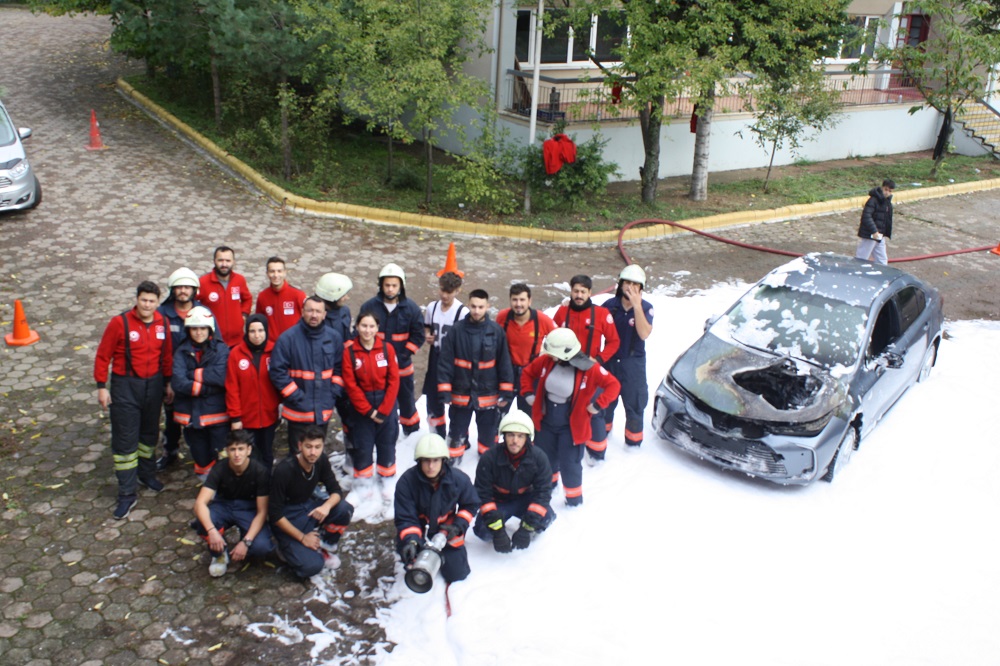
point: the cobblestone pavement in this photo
(77, 586)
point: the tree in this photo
(400, 65)
(950, 67)
(694, 48)
(784, 110)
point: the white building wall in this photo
(861, 132)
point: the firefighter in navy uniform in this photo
(137, 346)
(513, 479)
(183, 285)
(305, 369)
(334, 289)
(199, 383)
(565, 388)
(475, 376)
(434, 497)
(402, 324)
(634, 321)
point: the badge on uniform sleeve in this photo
(380, 360)
(213, 297)
(269, 311)
(244, 364)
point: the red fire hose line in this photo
(760, 248)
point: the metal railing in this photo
(591, 100)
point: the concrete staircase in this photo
(983, 124)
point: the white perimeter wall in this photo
(861, 132)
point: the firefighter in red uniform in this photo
(595, 329)
(199, 382)
(566, 388)
(402, 324)
(281, 302)
(305, 368)
(371, 379)
(136, 344)
(251, 400)
(226, 294)
(525, 327)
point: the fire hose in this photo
(760, 248)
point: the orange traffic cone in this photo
(996, 250)
(95, 133)
(451, 263)
(22, 335)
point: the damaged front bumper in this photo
(789, 459)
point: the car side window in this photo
(886, 329)
(911, 302)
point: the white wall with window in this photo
(570, 48)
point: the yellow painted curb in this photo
(300, 204)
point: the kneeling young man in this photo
(513, 479)
(433, 497)
(307, 529)
(235, 495)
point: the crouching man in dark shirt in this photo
(307, 529)
(235, 494)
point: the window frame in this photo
(569, 63)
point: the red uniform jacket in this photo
(150, 348)
(228, 304)
(365, 371)
(283, 308)
(525, 342)
(585, 386)
(557, 151)
(590, 325)
(250, 395)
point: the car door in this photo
(896, 331)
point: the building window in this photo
(607, 32)
(865, 26)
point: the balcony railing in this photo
(576, 100)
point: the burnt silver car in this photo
(787, 383)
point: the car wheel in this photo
(38, 194)
(843, 455)
(930, 358)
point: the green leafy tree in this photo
(399, 66)
(784, 110)
(950, 67)
(694, 48)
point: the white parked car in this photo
(19, 187)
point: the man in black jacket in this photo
(513, 479)
(876, 224)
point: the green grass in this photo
(349, 165)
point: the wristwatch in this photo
(248, 543)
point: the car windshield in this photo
(7, 132)
(807, 326)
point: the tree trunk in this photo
(650, 120)
(767, 178)
(216, 90)
(702, 138)
(286, 142)
(388, 171)
(944, 136)
(429, 149)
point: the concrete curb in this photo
(366, 214)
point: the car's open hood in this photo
(744, 383)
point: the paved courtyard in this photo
(77, 586)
